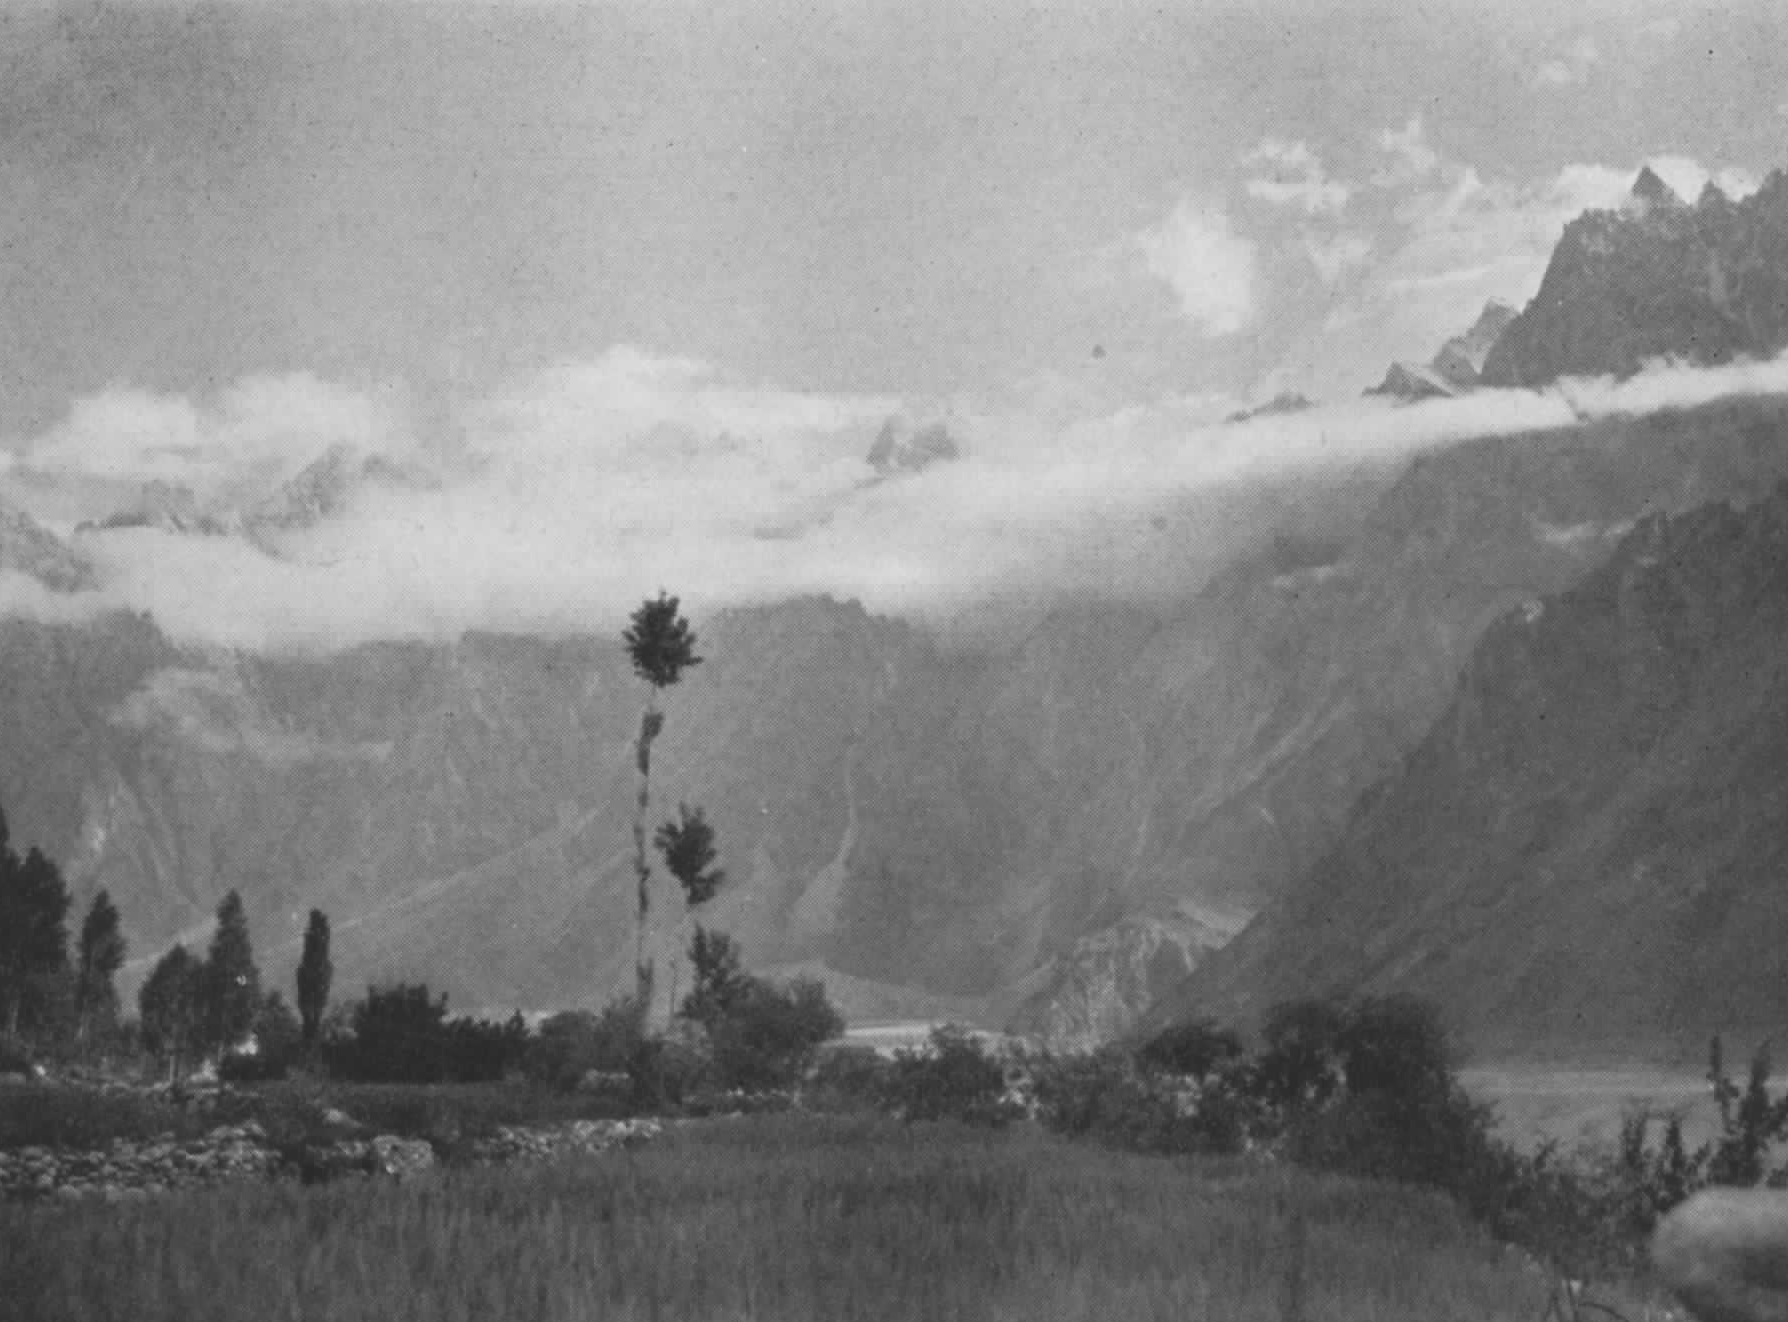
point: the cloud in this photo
(1571, 66)
(260, 428)
(1333, 257)
(1207, 265)
(1294, 177)
(570, 504)
(1688, 177)
(1412, 157)
(1662, 29)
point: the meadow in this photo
(785, 1219)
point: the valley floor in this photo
(796, 1219)
(1583, 1107)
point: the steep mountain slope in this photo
(1658, 278)
(1458, 365)
(1285, 690)
(1587, 846)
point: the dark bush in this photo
(1394, 1044)
(1102, 1095)
(953, 1078)
(1192, 1049)
(766, 1038)
(576, 1043)
(399, 1034)
(1110, 1097)
(1299, 1063)
(848, 1079)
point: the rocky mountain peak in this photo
(27, 547)
(1456, 367)
(1649, 192)
(1655, 279)
(1712, 195)
(905, 447)
(1286, 401)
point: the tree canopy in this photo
(660, 643)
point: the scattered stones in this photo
(128, 1170)
(580, 1138)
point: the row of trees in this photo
(191, 1007)
(57, 1001)
(45, 993)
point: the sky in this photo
(582, 260)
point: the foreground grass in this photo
(783, 1219)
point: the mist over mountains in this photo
(1179, 659)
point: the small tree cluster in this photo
(47, 999)
(34, 968)
(401, 1034)
(190, 1007)
(953, 1078)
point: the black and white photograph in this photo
(893, 661)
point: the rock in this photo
(402, 1158)
(1724, 1254)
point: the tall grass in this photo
(786, 1219)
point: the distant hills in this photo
(1587, 846)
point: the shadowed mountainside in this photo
(1587, 846)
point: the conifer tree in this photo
(661, 646)
(102, 952)
(315, 973)
(33, 937)
(232, 982)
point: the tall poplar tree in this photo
(101, 955)
(661, 646)
(232, 982)
(315, 973)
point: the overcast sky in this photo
(255, 227)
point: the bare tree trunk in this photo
(651, 721)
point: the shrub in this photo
(1395, 1045)
(1110, 1096)
(1191, 1049)
(847, 1079)
(278, 1041)
(953, 1078)
(766, 1038)
(398, 1034)
(1299, 1063)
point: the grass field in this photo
(782, 1219)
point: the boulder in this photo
(1724, 1254)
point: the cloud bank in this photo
(580, 490)
(1209, 267)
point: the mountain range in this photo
(1060, 825)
